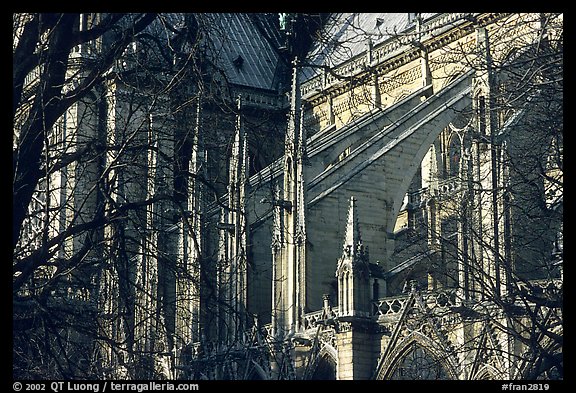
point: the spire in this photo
(236, 164)
(352, 272)
(352, 227)
(293, 133)
(289, 242)
(353, 247)
(232, 251)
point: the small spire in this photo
(238, 116)
(353, 250)
(353, 237)
(295, 94)
(235, 150)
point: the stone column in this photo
(357, 349)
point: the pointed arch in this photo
(454, 154)
(417, 357)
(326, 364)
(486, 372)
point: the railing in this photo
(388, 306)
(32, 77)
(380, 53)
(210, 348)
(442, 299)
(311, 319)
(262, 99)
(418, 197)
(548, 287)
(441, 188)
(432, 300)
(383, 308)
(448, 186)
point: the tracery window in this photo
(418, 364)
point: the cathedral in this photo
(376, 197)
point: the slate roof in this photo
(244, 46)
(346, 35)
(238, 46)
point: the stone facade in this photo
(375, 239)
(394, 155)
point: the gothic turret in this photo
(233, 238)
(289, 255)
(353, 272)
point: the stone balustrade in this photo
(311, 319)
(388, 306)
(380, 53)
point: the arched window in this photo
(482, 115)
(455, 153)
(418, 364)
(325, 369)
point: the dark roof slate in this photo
(238, 47)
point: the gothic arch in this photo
(417, 357)
(326, 364)
(430, 132)
(330, 351)
(433, 131)
(454, 153)
(486, 372)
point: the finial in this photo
(352, 227)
